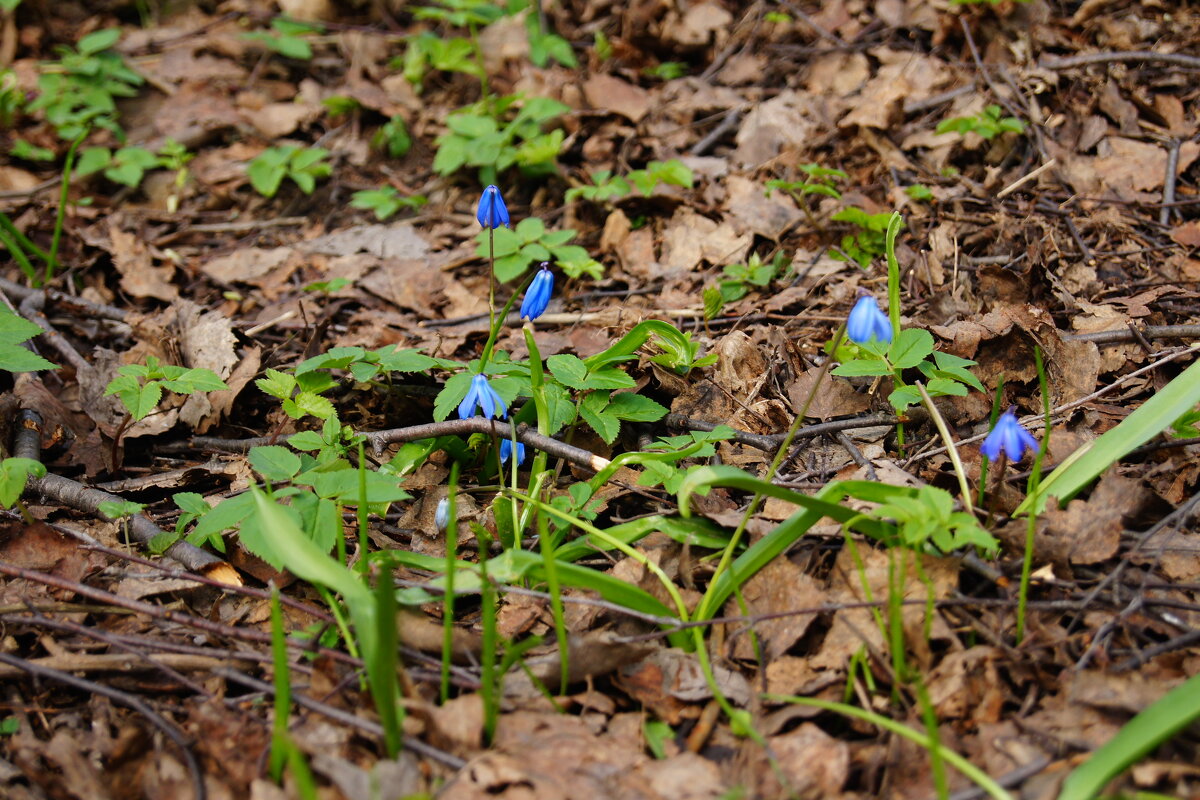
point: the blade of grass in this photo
(969, 770)
(1147, 421)
(1138, 737)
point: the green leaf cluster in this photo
(1187, 426)
(681, 354)
(287, 37)
(740, 277)
(427, 51)
(928, 518)
(368, 365)
(139, 387)
(945, 375)
(12, 99)
(301, 395)
(79, 91)
(14, 474)
(393, 138)
(987, 123)
(303, 165)
(13, 331)
(498, 133)
(530, 243)
(607, 186)
(867, 244)
(817, 180)
(386, 201)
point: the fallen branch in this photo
(73, 494)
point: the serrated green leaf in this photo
(274, 462)
(910, 348)
(314, 405)
(568, 370)
(277, 384)
(15, 358)
(451, 395)
(594, 413)
(635, 408)
(862, 367)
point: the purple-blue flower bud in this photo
(537, 296)
(1008, 437)
(506, 451)
(482, 394)
(866, 321)
(492, 213)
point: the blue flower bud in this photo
(866, 321)
(537, 296)
(441, 515)
(506, 451)
(482, 394)
(1008, 437)
(492, 213)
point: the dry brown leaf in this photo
(904, 76)
(754, 211)
(966, 684)
(813, 763)
(408, 283)
(833, 398)
(779, 586)
(699, 24)
(1089, 531)
(398, 240)
(685, 776)
(854, 627)
(690, 238)
(670, 681)
(609, 93)
(787, 120)
(139, 276)
(246, 265)
(279, 119)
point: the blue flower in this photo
(483, 395)
(506, 451)
(537, 296)
(866, 322)
(1008, 437)
(492, 213)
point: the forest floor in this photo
(250, 192)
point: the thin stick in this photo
(1175, 59)
(1164, 213)
(964, 489)
(1019, 182)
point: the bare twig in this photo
(1164, 213)
(1024, 179)
(451, 427)
(1149, 56)
(27, 444)
(1125, 335)
(730, 121)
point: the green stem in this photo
(451, 568)
(1035, 479)
(18, 254)
(68, 166)
(361, 511)
(22, 239)
(969, 770)
(488, 687)
(498, 321)
(963, 488)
